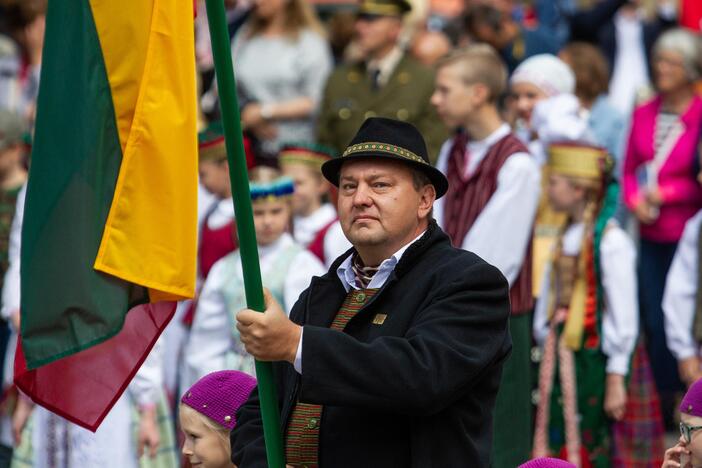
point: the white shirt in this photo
(146, 387)
(680, 296)
(620, 321)
(629, 72)
(204, 202)
(220, 213)
(348, 281)
(501, 232)
(307, 227)
(211, 335)
(386, 65)
(11, 284)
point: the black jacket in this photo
(416, 391)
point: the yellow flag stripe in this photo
(151, 232)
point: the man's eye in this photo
(381, 185)
(347, 187)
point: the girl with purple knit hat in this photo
(208, 413)
(688, 451)
(546, 462)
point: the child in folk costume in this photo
(546, 462)
(688, 451)
(489, 210)
(137, 432)
(208, 414)
(286, 270)
(587, 314)
(315, 223)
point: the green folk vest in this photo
(302, 439)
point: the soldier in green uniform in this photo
(388, 83)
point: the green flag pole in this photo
(224, 71)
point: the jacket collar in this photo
(433, 235)
(327, 293)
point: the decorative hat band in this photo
(278, 188)
(381, 9)
(586, 162)
(302, 156)
(383, 148)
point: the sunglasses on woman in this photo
(686, 431)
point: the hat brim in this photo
(332, 168)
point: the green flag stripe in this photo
(66, 305)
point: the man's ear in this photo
(426, 200)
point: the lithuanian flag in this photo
(109, 235)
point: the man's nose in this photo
(362, 196)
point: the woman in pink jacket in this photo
(660, 184)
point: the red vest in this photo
(317, 244)
(466, 199)
(215, 244)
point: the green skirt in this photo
(512, 425)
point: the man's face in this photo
(378, 203)
(377, 33)
(453, 99)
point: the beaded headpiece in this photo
(278, 188)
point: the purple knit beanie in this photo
(692, 401)
(547, 463)
(219, 395)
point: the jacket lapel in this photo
(324, 300)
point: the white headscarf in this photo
(558, 119)
(547, 72)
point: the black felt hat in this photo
(388, 139)
(374, 8)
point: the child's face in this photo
(309, 188)
(454, 100)
(203, 446)
(524, 97)
(562, 194)
(695, 445)
(271, 219)
(214, 176)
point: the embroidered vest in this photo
(466, 199)
(302, 438)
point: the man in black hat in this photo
(393, 358)
(387, 82)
